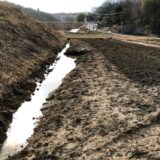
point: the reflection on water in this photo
(25, 118)
(74, 30)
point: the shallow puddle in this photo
(26, 116)
(74, 30)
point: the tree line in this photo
(132, 14)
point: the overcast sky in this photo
(55, 6)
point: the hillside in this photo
(46, 17)
(26, 47)
(39, 15)
(36, 14)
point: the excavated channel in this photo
(26, 117)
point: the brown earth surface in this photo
(107, 108)
(26, 50)
(143, 40)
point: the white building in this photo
(93, 26)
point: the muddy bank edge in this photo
(27, 48)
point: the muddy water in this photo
(25, 119)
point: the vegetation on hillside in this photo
(46, 17)
(151, 12)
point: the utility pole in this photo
(121, 25)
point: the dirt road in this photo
(144, 40)
(107, 107)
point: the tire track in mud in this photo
(115, 81)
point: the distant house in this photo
(93, 26)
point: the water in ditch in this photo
(26, 116)
(74, 30)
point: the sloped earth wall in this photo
(27, 48)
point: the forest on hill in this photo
(44, 16)
(142, 15)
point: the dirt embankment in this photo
(107, 107)
(26, 49)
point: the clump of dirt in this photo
(77, 48)
(27, 47)
(102, 110)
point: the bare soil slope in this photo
(107, 108)
(26, 47)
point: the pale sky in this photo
(55, 6)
